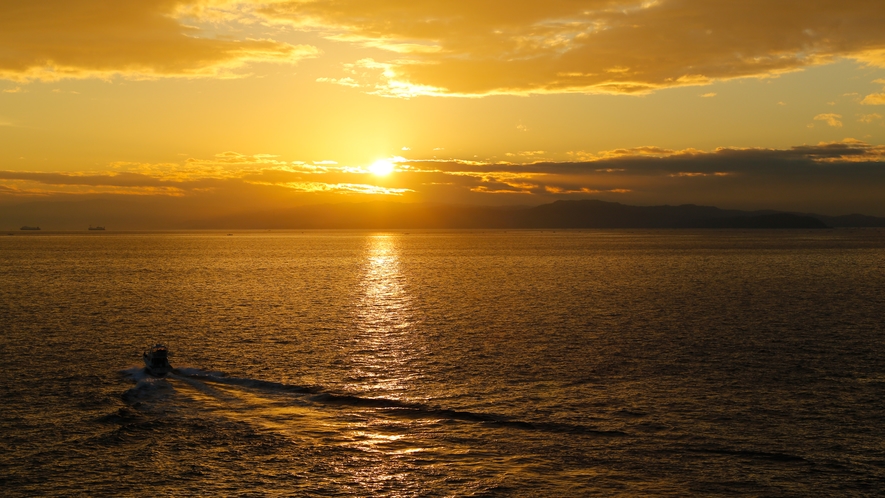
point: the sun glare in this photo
(381, 167)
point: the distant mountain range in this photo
(559, 214)
(117, 215)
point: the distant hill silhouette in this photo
(130, 215)
(600, 214)
(851, 220)
(776, 220)
(559, 214)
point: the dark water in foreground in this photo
(445, 363)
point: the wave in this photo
(752, 454)
(395, 407)
(122, 416)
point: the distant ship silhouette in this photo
(29, 228)
(95, 228)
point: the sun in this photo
(381, 167)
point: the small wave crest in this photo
(125, 415)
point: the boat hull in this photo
(156, 365)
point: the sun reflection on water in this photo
(385, 362)
(383, 352)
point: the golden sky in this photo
(238, 105)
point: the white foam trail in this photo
(146, 387)
(198, 385)
(196, 372)
(135, 373)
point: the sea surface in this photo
(444, 363)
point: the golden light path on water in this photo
(384, 322)
(383, 358)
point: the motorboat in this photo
(156, 360)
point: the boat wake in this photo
(315, 395)
(147, 387)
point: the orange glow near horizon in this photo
(265, 104)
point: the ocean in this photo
(444, 363)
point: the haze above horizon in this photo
(225, 107)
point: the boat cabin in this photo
(156, 359)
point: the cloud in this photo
(57, 39)
(708, 94)
(831, 119)
(337, 188)
(464, 47)
(456, 48)
(831, 178)
(646, 151)
(225, 174)
(869, 118)
(874, 99)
